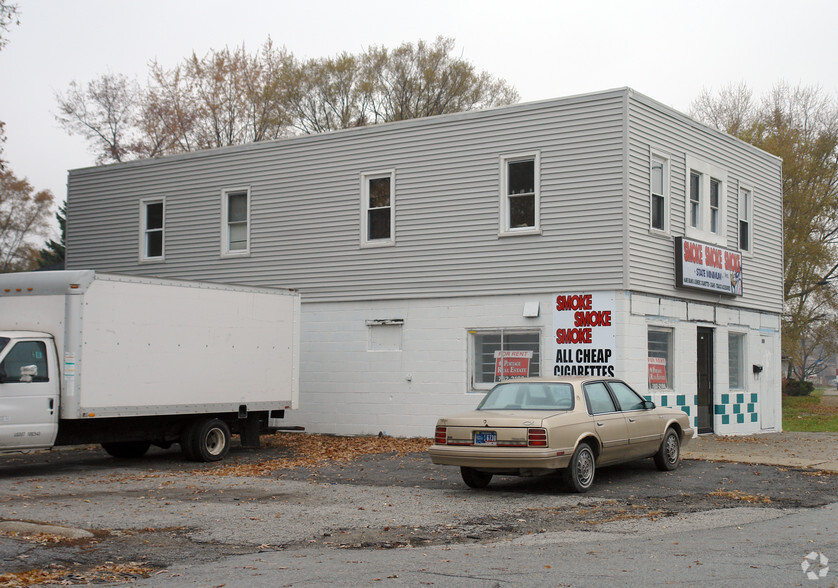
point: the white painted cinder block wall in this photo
(345, 388)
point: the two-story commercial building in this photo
(601, 234)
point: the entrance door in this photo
(704, 372)
(768, 383)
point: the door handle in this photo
(600, 424)
(631, 420)
(51, 403)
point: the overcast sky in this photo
(668, 50)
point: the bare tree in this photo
(105, 113)
(231, 97)
(425, 79)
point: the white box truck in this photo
(131, 362)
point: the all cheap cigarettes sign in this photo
(585, 334)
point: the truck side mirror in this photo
(757, 369)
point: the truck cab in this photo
(29, 391)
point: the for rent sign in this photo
(512, 364)
(585, 334)
(707, 267)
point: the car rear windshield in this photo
(528, 396)
(3, 342)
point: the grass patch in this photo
(810, 413)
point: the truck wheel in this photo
(127, 449)
(209, 440)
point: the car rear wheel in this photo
(579, 475)
(474, 478)
(668, 456)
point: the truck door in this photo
(28, 394)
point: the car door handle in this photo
(600, 424)
(631, 420)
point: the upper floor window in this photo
(235, 222)
(746, 211)
(705, 201)
(378, 208)
(520, 199)
(658, 202)
(152, 219)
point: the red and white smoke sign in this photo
(585, 334)
(512, 364)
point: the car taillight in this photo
(537, 437)
(441, 437)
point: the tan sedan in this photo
(534, 426)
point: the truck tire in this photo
(127, 449)
(209, 440)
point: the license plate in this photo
(486, 438)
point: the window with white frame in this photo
(235, 222)
(706, 185)
(736, 360)
(746, 212)
(378, 210)
(500, 354)
(520, 198)
(660, 358)
(659, 191)
(152, 226)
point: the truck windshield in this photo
(529, 396)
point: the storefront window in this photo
(503, 354)
(736, 360)
(660, 358)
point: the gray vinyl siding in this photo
(306, 207)
(658, 129)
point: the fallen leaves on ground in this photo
(311, 450)
(61, 576)
(739, 495)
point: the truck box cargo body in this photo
(128, 361)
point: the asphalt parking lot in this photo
(145, 516)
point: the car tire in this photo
(668, 456)
(579, 474)
(208, 440)
(475, 478)
(127, 449)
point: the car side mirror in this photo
(648, 405)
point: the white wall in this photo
(348, 389)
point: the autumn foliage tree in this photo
(232, 97)
(24, 222)
(800, 125)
